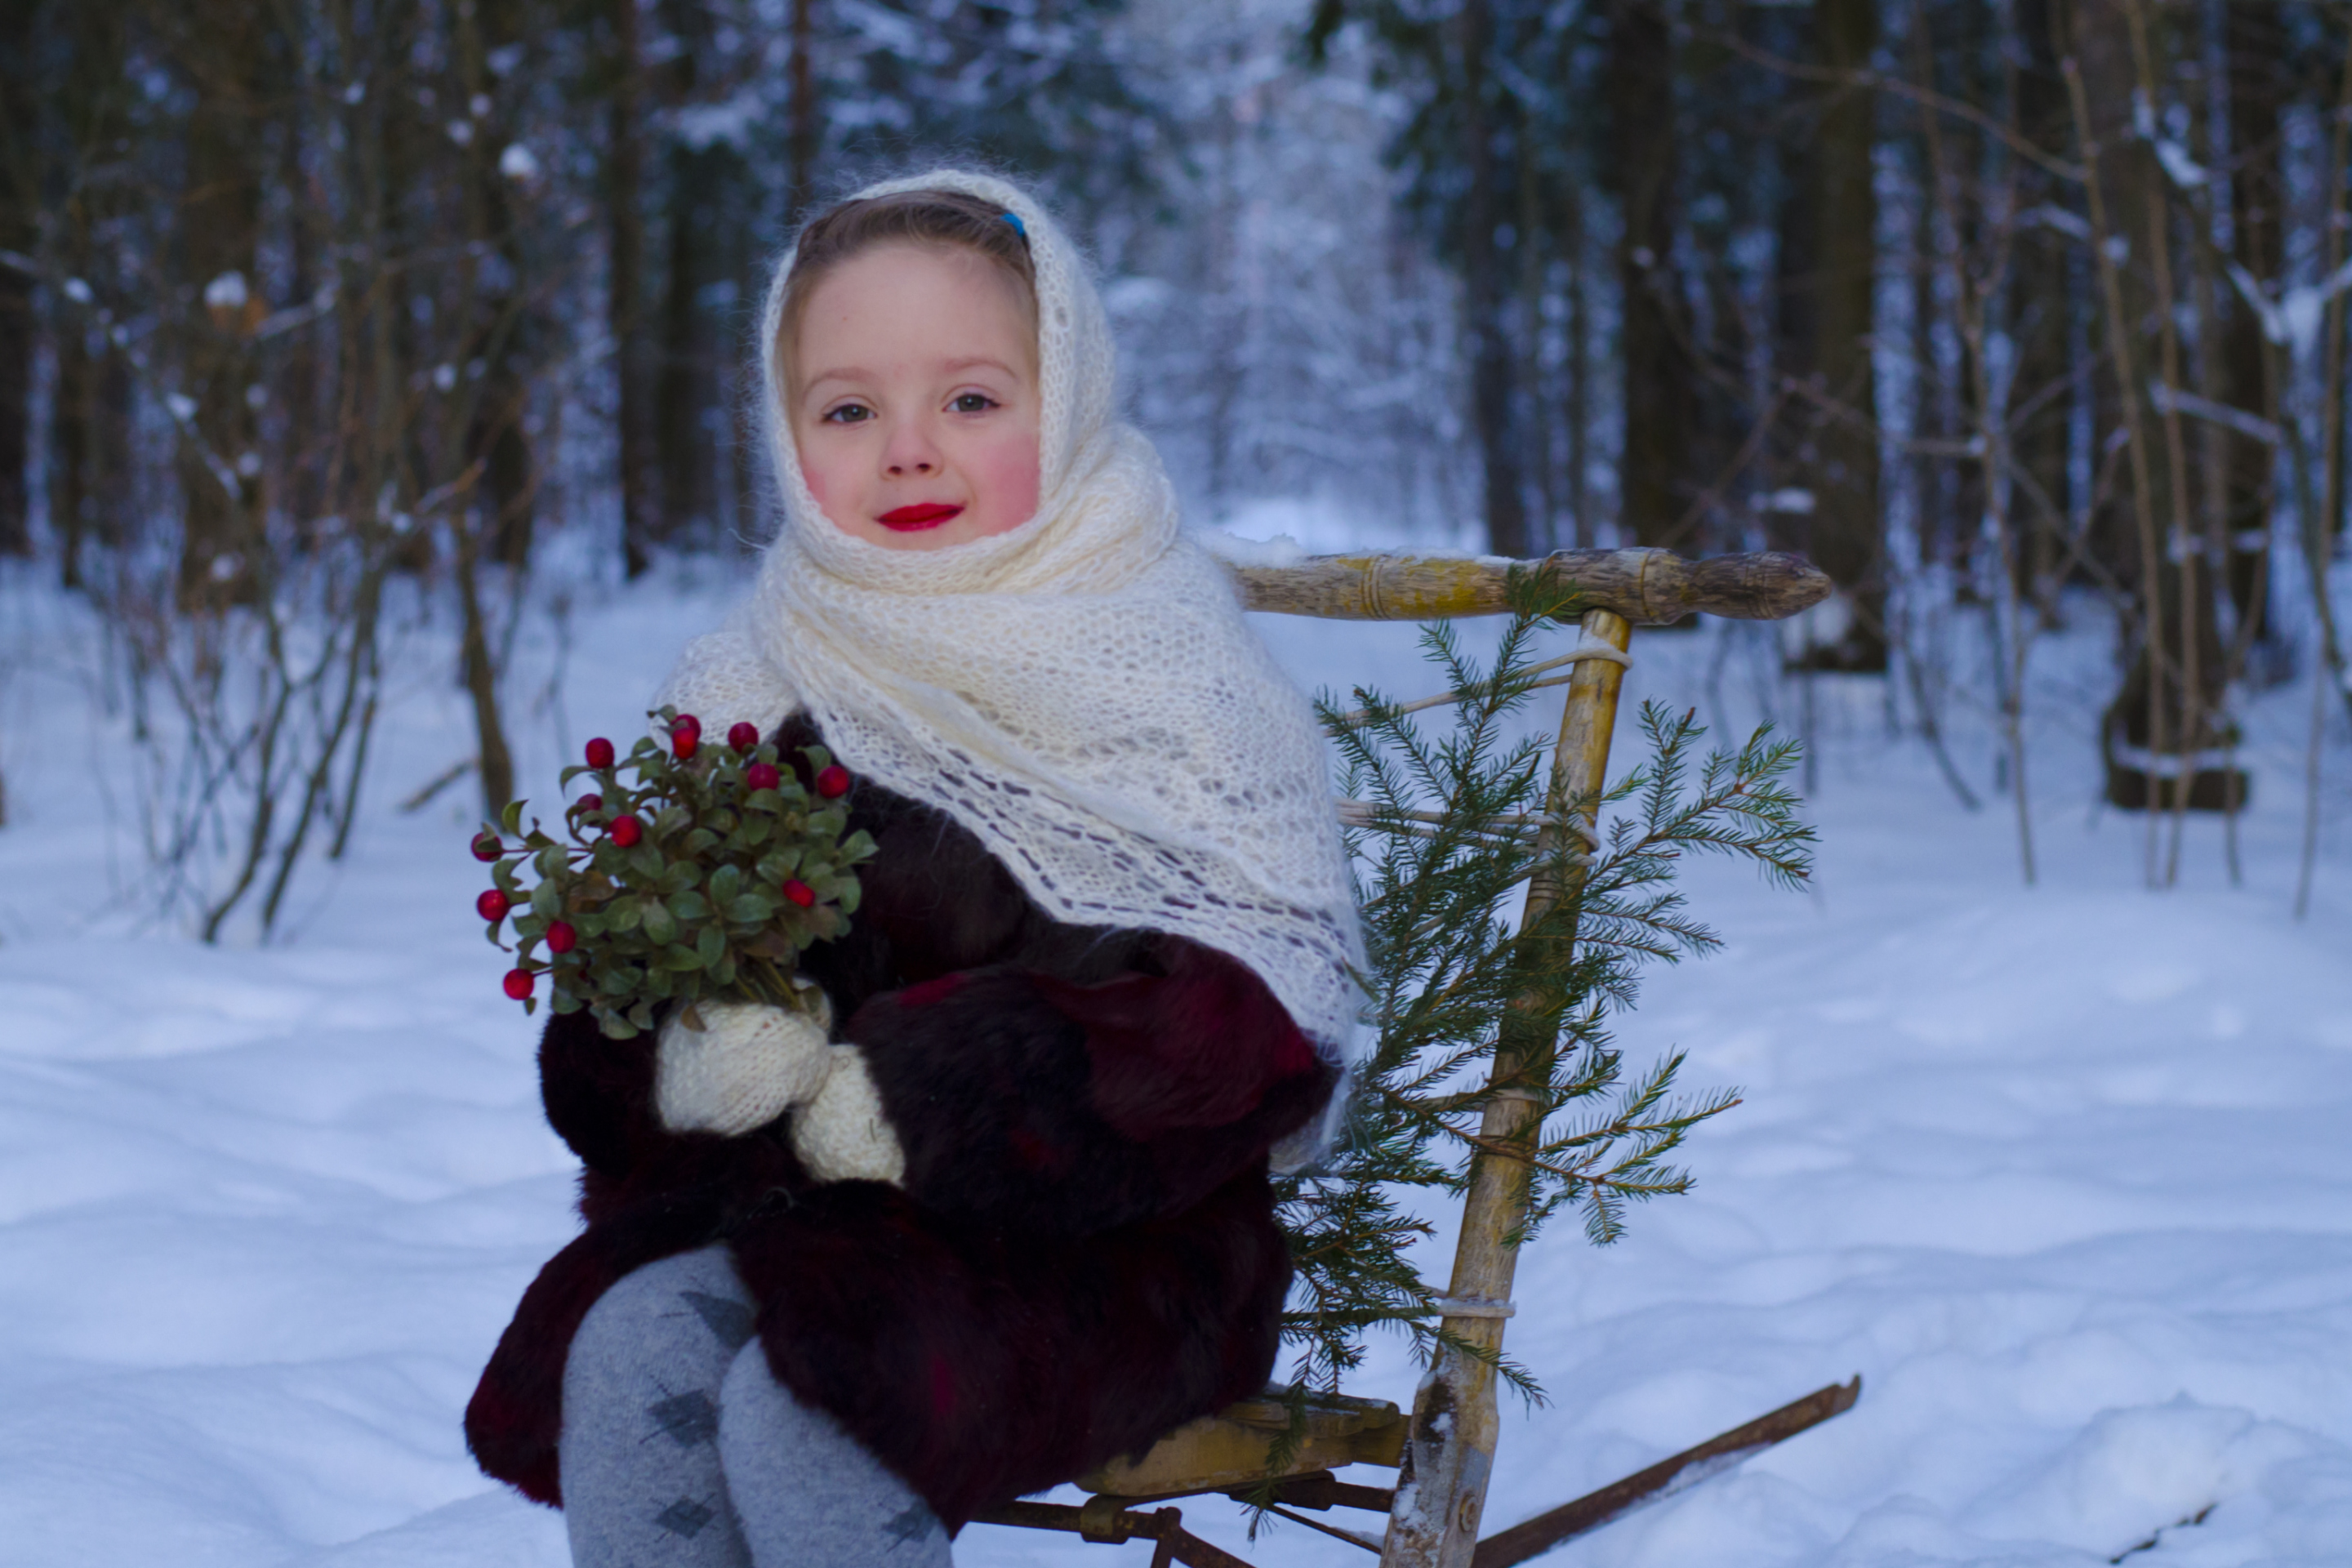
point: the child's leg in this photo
(639, 1451)
(808, 1493)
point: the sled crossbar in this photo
(1647, 587)
(1443, 1448)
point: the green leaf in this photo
(648, 863)
(755, 832)
(710, 946)
(547, 900)
(510, 819)
(700, 842)
(688, 905)
(750, 910)
(679, 958)
(766, 800)
(725, 883)
(847, 893)
(660, 927)
(777, 865)
(625, 913)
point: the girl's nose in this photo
(911, 454)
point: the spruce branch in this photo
(1449, 818)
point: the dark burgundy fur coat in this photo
(1083, 1254)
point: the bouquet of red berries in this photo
(701, 874)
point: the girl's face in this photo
(914, 398)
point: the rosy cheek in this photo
(1013, 482)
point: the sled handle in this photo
(1646, 587)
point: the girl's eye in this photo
(848, 414)
(972, 403)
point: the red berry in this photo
(560, 937)
(600, 752)
(486, 847)
(589, 803)
(518, 983)
(762, 775)
(833, 782)
(493, 905)
(744, 738)
(685, 736)
(800, 893)
(626, 831)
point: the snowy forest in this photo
(378, 416)
(2005, 315)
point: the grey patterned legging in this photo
(681, 1450)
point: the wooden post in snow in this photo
(1449, 1456)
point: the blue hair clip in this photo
(1018, 226)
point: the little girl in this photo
(1013, 1220)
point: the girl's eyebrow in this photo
(954, 366)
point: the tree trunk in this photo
(220, 233)
(688, 389)
(2041, 312)
(89, 456)
(2166, 715)
(1485, 296)
(1579, 362)
(1835, 283)
(1659, 399)
(805, 123)
(624, 177)
(20, 195)
(510, 347)
(2256, 47)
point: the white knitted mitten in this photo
(842, 1133)
(748, 1065)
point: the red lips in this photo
(924, 514)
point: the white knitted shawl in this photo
(1082, 692)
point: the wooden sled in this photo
(1444, 1449)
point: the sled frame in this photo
(1443, 1448)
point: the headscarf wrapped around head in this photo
(1081, 692)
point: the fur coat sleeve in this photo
(1081, 1253)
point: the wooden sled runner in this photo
(1444, 1449)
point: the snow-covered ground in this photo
(2064, 1172)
